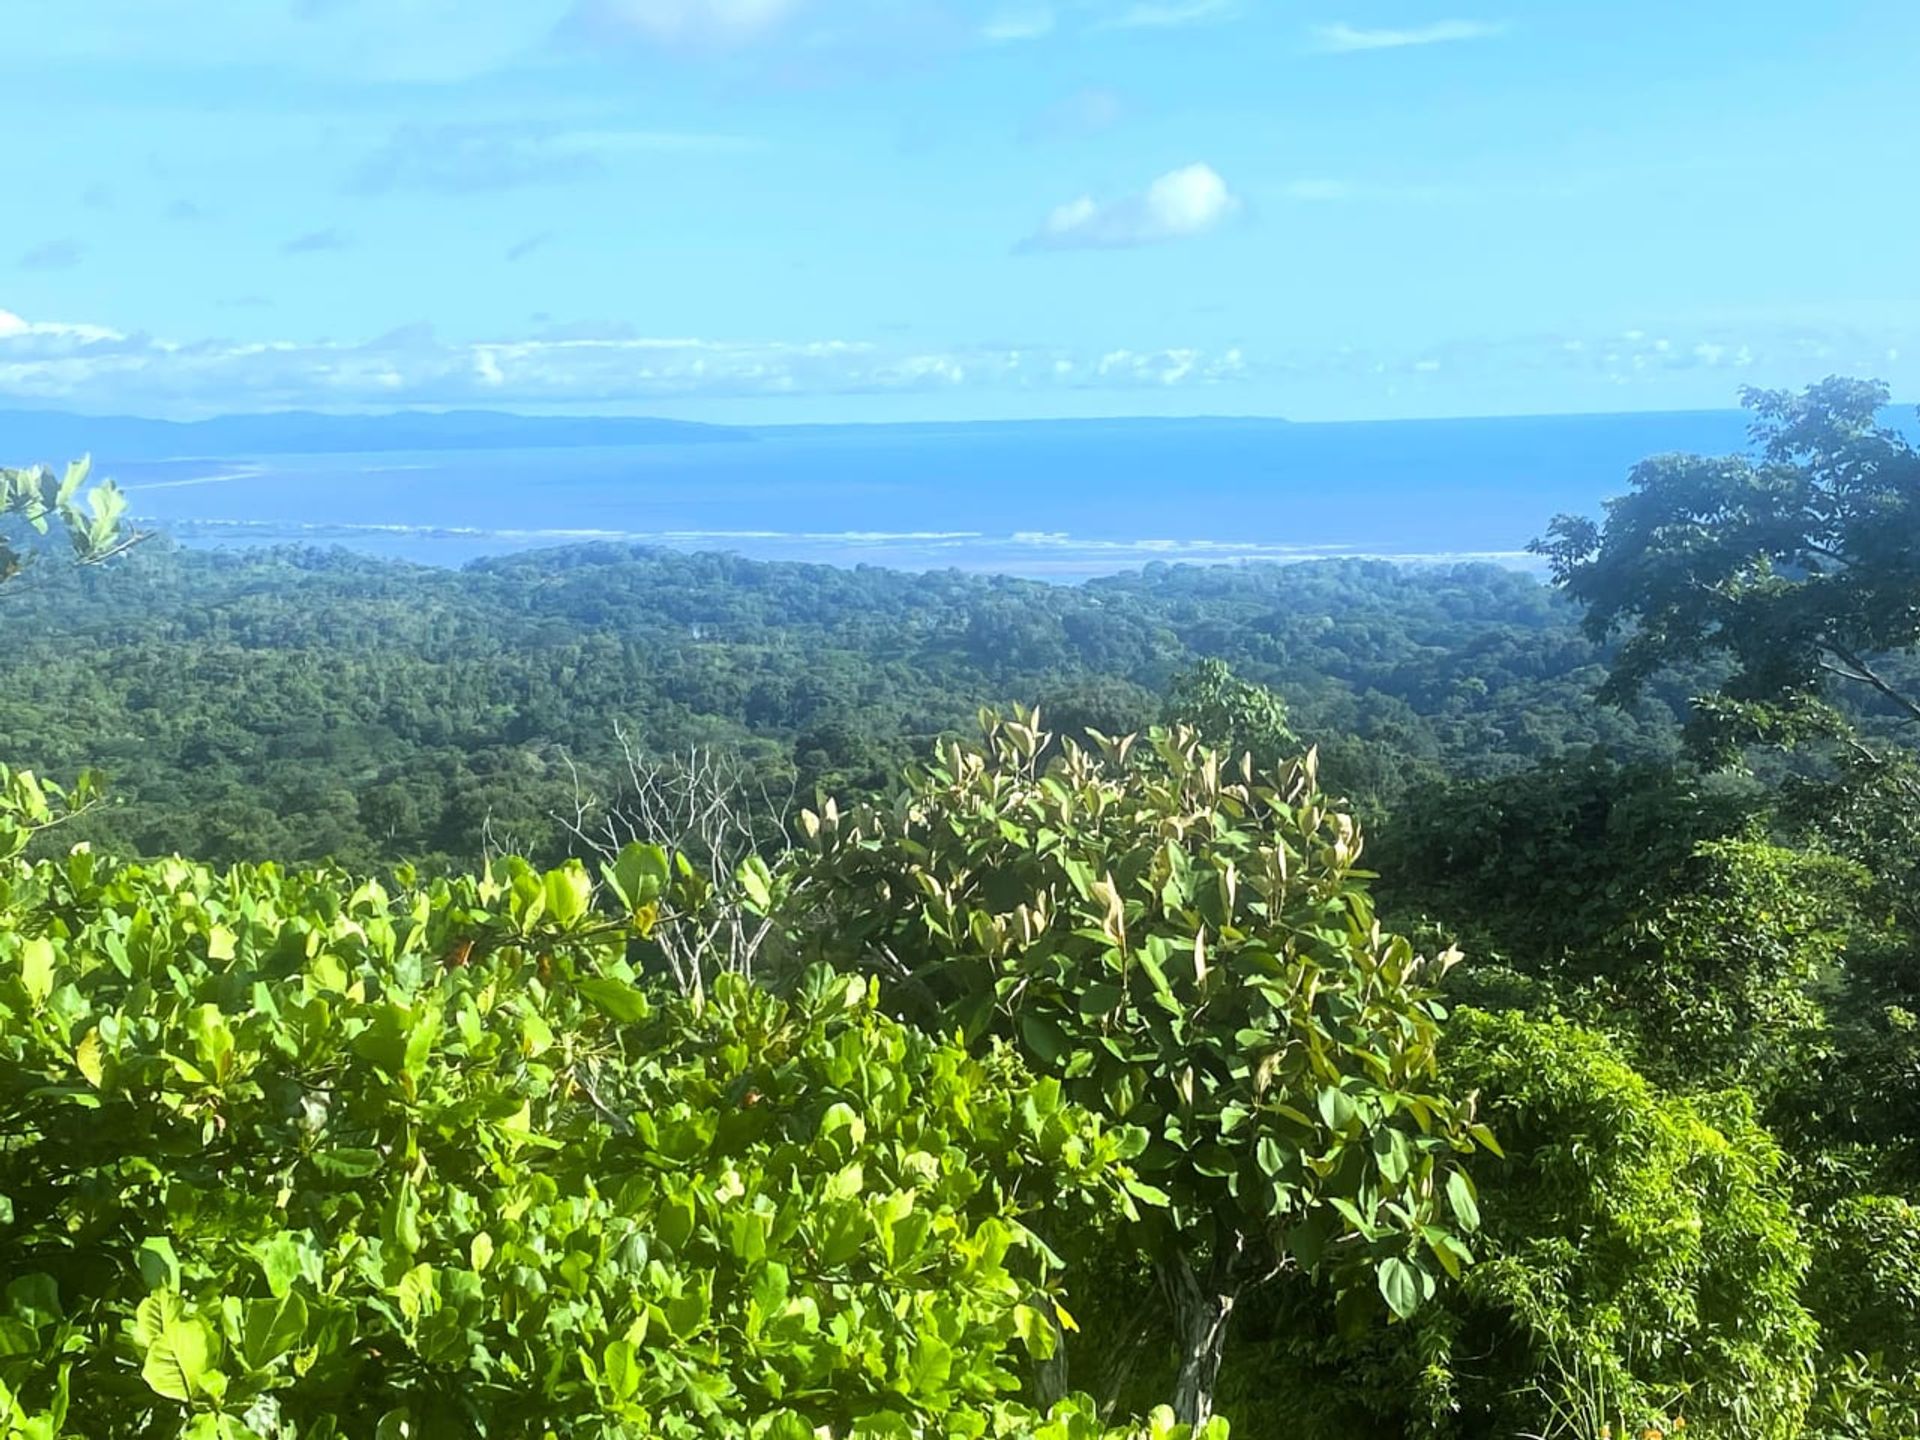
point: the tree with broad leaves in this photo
(1186, 943)
(1798, 565)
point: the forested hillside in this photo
(301, 704)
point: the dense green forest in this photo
(623, 994)
(300, 704)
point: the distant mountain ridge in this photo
(27, 436)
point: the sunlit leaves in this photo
(1190, 950)
(311, 1144)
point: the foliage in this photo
(1643, 901)
(296, 705)
(1866, 1288)
(1233, 716)
(30, 806)
(1799, 567)
(1651, 1234)
(1111, 1061)
(1534, 869)
(297, 1155)
(1866, 1277)
(1715, 981)
(37, 499)
(1641, 1261)
(1191, 951)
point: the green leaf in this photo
(36, 969)
(1399, 1286)
(86, 1059)
(1466, 1207)
(621, 1369)
(639, 876)
(179, 1360)
(159, 1266)
(1036, 1331)
(756, 883)
(1043, 1037)
(615, 998)
(271, 1328)
(286, 1259)
(1390, 1154)
(569, 892)
(1337, 1109)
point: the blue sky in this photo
(803, 210)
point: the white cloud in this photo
(1007, 26)
(688, 24)
(1182, 203)
(98, 368)
(1346, 39)
(1170, 14)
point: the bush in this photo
(1865, 1291)
(296, 1156)
(1641, 1260)
(1189, 946)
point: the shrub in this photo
(1640, 1260)
(1189, 946)
(297, 1156)
(1865, 1291)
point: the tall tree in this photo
(1798, 565)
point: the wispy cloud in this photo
(1170, 14)
(1180, 204)
(316, 242)
(1320, 190)
(1028, 23)
(61, 254)
(471, 159)
(98, 367)
(1349, 39)
(519, 250)
(684, 24)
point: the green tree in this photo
(1640, 1260)
(1234, 716)
(1192, 954)
(1642, 1249)
(1799, 568)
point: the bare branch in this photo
(712, 809)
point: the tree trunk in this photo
(1202, 1306)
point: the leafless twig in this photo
(714, 810)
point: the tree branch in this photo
(1865, 674)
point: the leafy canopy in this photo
(1191, 950)
(1799, 566)
(294, 1155)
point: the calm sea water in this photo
(1059, 500)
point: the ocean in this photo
(1057, 500)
